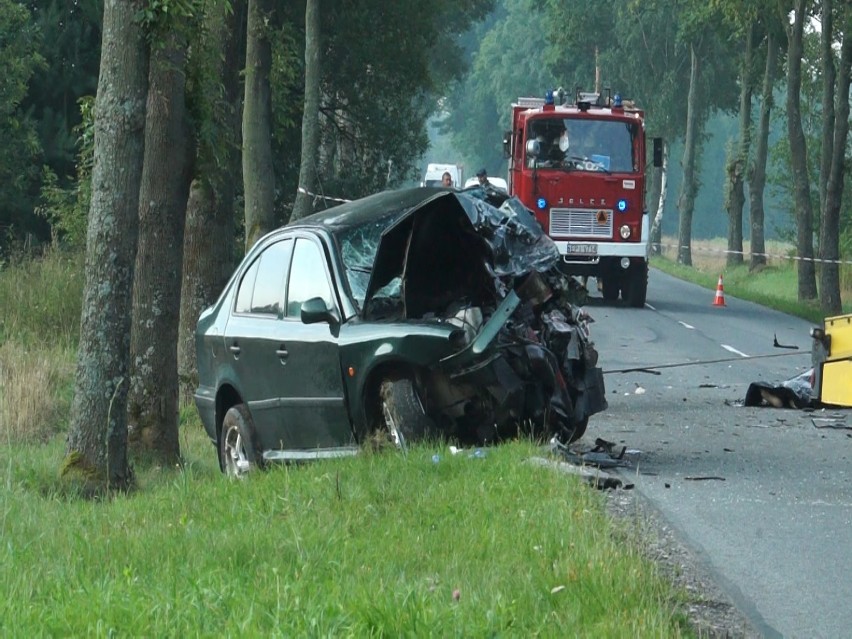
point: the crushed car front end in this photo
(463, 297)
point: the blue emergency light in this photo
(622, 205)
(542, 203)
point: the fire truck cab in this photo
(581, 168)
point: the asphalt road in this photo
(761, 495)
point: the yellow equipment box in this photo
(832, 358)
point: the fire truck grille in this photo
(581, 223)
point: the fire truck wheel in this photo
(636, 285)
(611, 286)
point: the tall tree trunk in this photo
(739, 161)
(799, 156)
(209, 237)
(757, 181)
(97, 436)
(258, 173)
(652, 199)
(686, 199)
(153, 399)
(310, 118)
(657, 226)
(829, 290)
(829, 73)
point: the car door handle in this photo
(235, 349)
(282, 353)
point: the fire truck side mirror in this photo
(658, 152)
(507, 144)
(533, 148)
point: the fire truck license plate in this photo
(582, 249)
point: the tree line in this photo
(781, 62)
(166, 136)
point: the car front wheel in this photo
(403, 415)
(237, 453)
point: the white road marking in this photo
(685, 325)
(649, 306)
(734, 350)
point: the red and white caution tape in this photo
(766, 255)
(316, 196)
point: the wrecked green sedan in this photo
(411, 314)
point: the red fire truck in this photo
(581, 168)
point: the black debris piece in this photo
(794, 393)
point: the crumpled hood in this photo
(453, 244)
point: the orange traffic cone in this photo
(720, 294)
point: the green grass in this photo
(774, 286)
(370, 546)
(40, 299)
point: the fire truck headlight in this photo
(541, 203)
(624, 231)
(622, 205)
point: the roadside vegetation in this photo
(382, 544)
(772, 285)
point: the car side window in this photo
(308, 278)
(262, 288)
(246, 289)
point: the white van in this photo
(434, 172)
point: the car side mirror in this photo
(315, 310)
(658, 152)
(507, 144)
(533, 148)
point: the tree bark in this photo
(657, 226)
(686, 199)
(153, 399)
(829, 74)
(739, 162)
(757, 181)
(209, 237)
(258, 173)
(97, 436)
(310, 118)
(799, 157)
(829, 290)
(652, 199)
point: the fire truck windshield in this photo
(581, 145)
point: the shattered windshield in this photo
(358, 247)
(582, 145)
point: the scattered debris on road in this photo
(836, 422)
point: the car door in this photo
(252, 338)
(312, 392)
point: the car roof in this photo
(370, 208)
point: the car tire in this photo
(402, 413)
(611, 285)
(238, 454)
(579, 431)
(636, 289)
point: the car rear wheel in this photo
(402, 412)
(636, 289)
(238, 455)
(611, 285)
